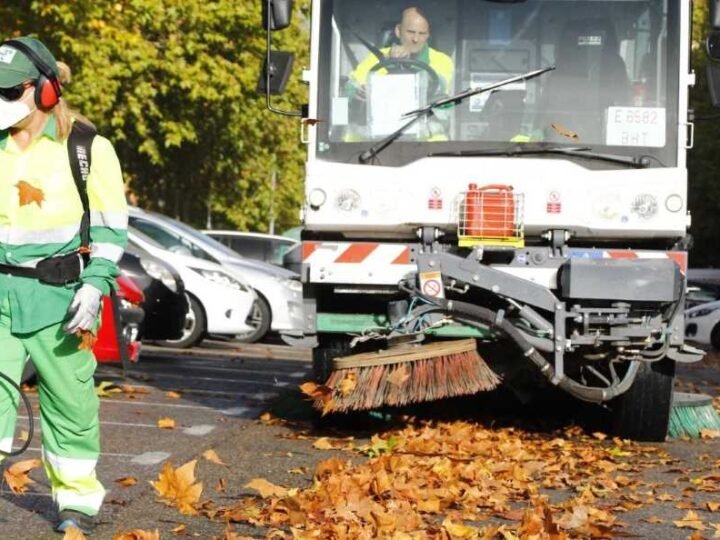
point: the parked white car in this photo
(279, 305)
(702, 324)
(220, 302)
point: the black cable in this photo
(31, 422)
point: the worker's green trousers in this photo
(68, 409)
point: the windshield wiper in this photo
(639, 162)
(417, 114)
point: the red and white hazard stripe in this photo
(357, 262)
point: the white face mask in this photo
(12, 112)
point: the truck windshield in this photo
(614, 88)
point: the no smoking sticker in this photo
(431, 284)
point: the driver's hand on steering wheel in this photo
(399, 51)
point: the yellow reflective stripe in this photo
(73, 480)
(18, 236)
(105, 250)
(112, 219)
(6, 444)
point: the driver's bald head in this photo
(414, 14)
(413, 30)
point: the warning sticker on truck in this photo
(431, 284)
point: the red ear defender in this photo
(47, 93)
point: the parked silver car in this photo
(279, 291)
(269, 248)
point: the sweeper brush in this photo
(407, 374)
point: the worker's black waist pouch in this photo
(58, 270)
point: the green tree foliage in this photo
(704, 161)
(173, 85)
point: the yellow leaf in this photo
(177, 487)
(211, 455)
(87, 339)
(710, 433)
(106, 389)
(166, 423)
(712, 506)
(17, 477)
(139, 534)
(690, 521)
(127, 481)
(220, 487)
(458, 530)
(266, 489)
(348, 384)
(73, 533)
(173, 395)
(323, 443)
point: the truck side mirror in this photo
(277, 14)
(278, 65)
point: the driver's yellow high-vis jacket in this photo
(440, 62)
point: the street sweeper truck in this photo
(495, 193)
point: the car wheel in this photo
(643, 412)
(194, 328)
(260, 319)
(715, 337)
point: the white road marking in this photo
(150, 458)
(158, 375)
(102, 454)
(199, 431)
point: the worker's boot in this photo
(73, 518)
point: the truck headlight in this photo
(221, 278)
(159, 271)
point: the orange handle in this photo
(499, 187)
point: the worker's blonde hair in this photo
(64, 115)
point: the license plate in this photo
(636, 126)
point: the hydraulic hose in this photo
(472, 315)
(31, 422)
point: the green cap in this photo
(16, 68)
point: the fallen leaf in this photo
(138, 534)
(17, 477)
(177, 487)
(166, 423)
(323, 443)
(28, 194)
(712, 506)
(180, 529)
(266, 489)
(348, 384)
(106, 389)
(173, 395)
(710, 433)
(211, 455)
(565, 132)
(87, 340)
(299, 470)
(220, 486)
(127, 481)
(690, 521)
(73, 533)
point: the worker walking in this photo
(60, 240)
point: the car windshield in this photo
(198, 236)
(614, 87)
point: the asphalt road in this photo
(214, 395)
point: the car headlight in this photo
(701, 313)
(159, 271)
(221, 278)
(289, 283)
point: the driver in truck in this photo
(412, 33)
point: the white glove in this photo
(85, 308)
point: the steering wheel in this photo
(401, 65)
(409, 65)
